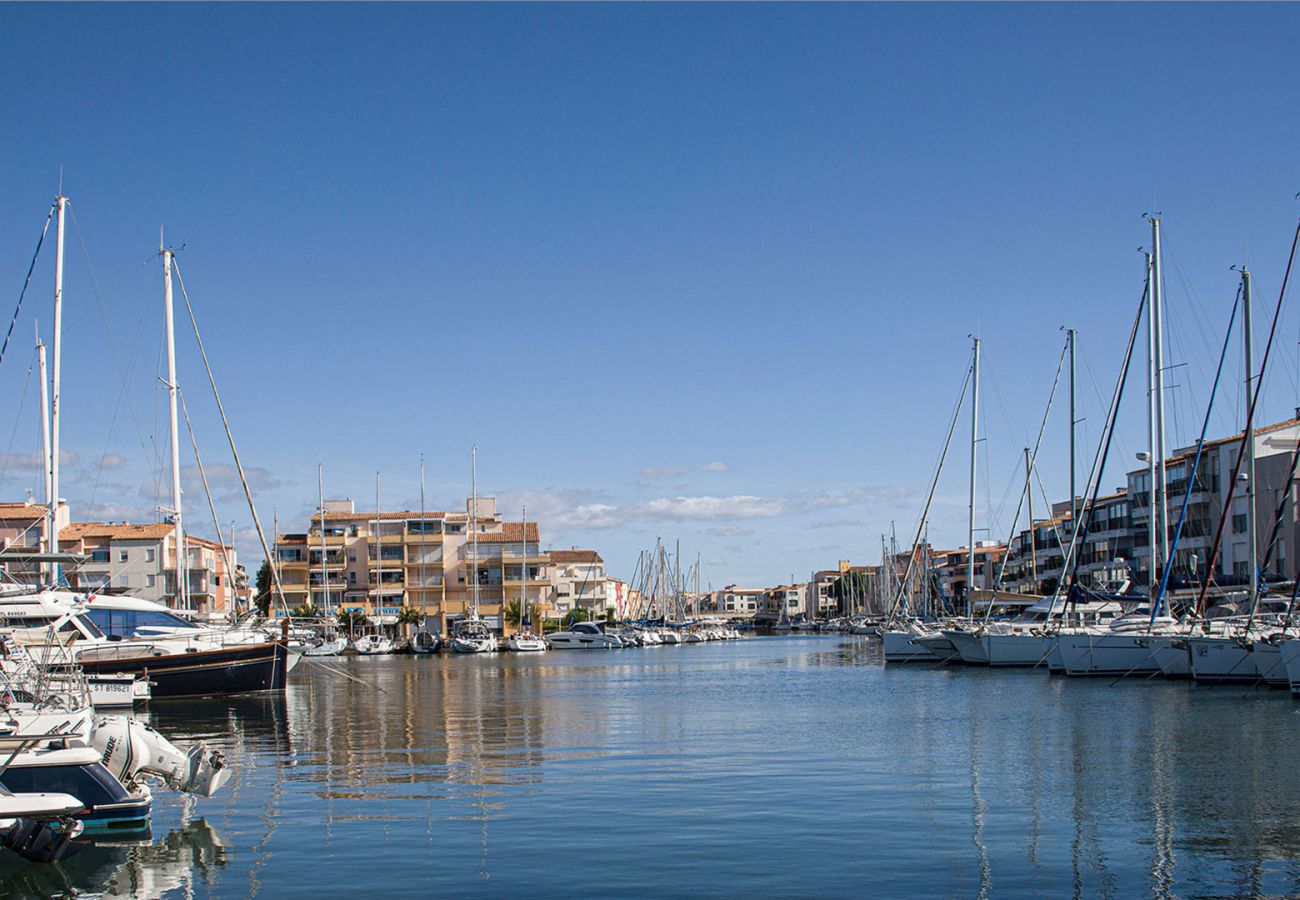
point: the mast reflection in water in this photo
(794, 766)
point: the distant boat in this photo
(327, 648)
(373, 645)
(584, 636)
(424, 642)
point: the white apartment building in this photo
(578, 580)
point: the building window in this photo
(122, 556)
(151, 580)
(1239, 523)
(150, 554)
(99, 556)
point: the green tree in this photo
(351, 620)
(408, 616)
(511, 613)
(265, 584)
(306, 611)
(577, 614)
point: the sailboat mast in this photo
(45, 442)
(1151, 425)
(974, 438)
(1158, 304)
(473, 524)
(324, 572)
(1033, 549)
(178, 526)
(1071, 336)
(379, 552)
(56, 346)
(1250, 438)
(523, 577)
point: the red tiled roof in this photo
(574, 556)
(122, 532)
(509, 533)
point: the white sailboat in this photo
(472, 634)
(523, 640)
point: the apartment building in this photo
(783, 601)
(578, 580)
(141, 560)
(378, 562)
(23, 532)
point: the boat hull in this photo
(242, 669)
(1268, 663)
(1221, 661)
(1290, 652)
(1114, 655)
(1026, 650)
(902, 647)
(969, 646)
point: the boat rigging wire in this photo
(27, 281)
(1247, 433)
(13, 435)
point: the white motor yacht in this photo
(584, 636)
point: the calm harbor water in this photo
(792, 766)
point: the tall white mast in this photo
(45, 444)
(970, 521)
(182, 567)
(1152, 524)
(57, 348)
(523, 579)
(324, 572)
(1158, 302)
(1250, 439)
(473, 524)
(379, 552)
(1072, 336)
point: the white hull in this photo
(1291, 662)
(969, 646)
(1016, 649)
(901, 647)
(1055, 661)
(1102, 653)
(1222, 660)
(1269, 667)
(473, 645)
(1174, 660)
(117, 691)
(526, 644)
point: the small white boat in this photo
(526, 642)
(473, 636)
(373, 645)
(584, 636)
(117, 691)
(327, 648)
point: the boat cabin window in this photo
(124, 622)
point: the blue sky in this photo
(698, 272)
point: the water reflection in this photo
(736, 766)
(185, 859)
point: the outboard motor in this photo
(43, 841)
(131, 749)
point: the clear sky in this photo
(699, 272)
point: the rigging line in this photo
(1247, 434)
(28, 280)
(1194, 470)
(934, 483)
(1033, 459)
(117, 408)
(124, 371)
(216, 524)
(230, 437)
(22, 402)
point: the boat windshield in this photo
(126, 622)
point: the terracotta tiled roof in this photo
(21, 511)
(510, 532)
(1259, 432)
(122, 532)
(574, 556)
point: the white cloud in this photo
(110, 461)
(716, 466)
(739, 506)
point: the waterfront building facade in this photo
(378, 562)
(579, 581)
